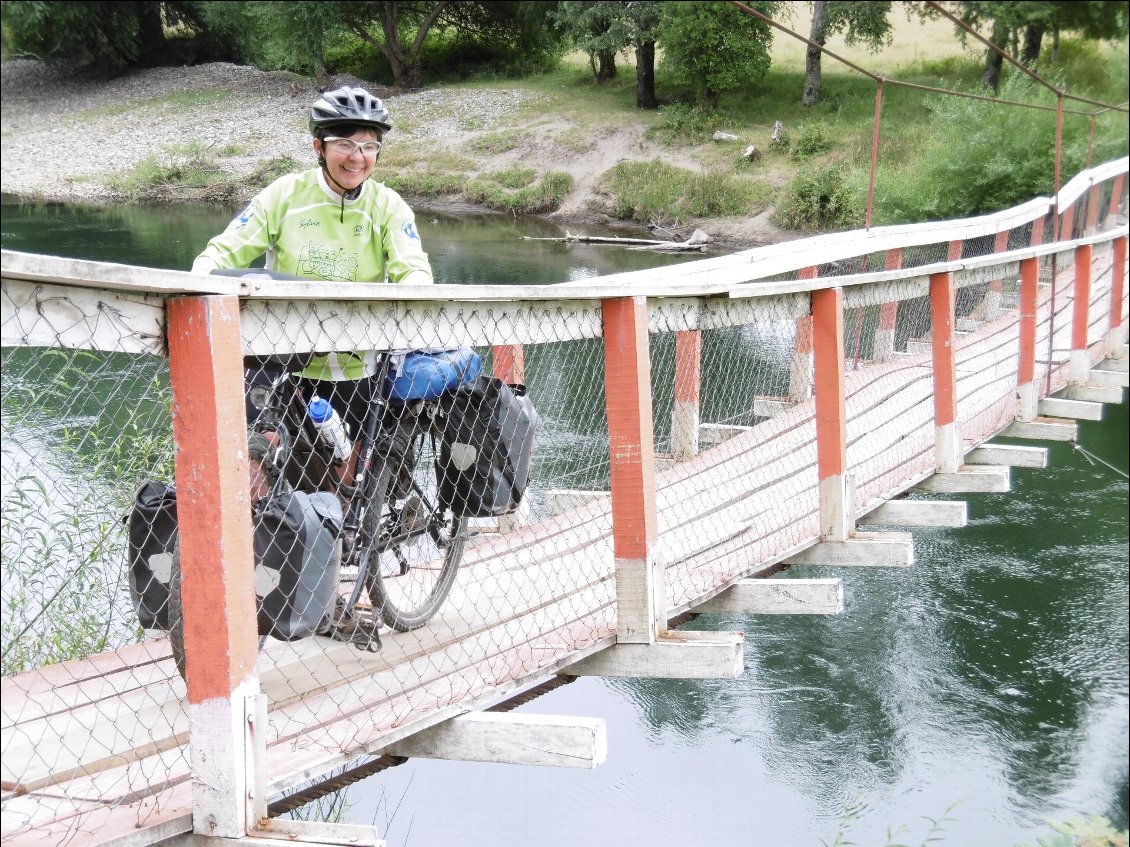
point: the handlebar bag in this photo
(297, 559)
(426, 376)
(486, 445)
(152, 525)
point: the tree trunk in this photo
(1033, 38)
(150, 30)
(818, 33)
(645, 76)
(606, 65)
(991, 78)
(1055, 46)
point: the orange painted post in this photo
(947, 427)
(883, 348)
(800, 372)
(1094, 205)
(509, 363)
(641, 612)
(837, 513)
(1080, 367)
(216, 559)
(989, 309)
(1067, 223)
(688, 378)
(510, 367)
(1027, 392)
(1115, 201)
(1116, 336)
(1037, 236)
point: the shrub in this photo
(811, 140)
(663, 194)
(827, 197)
(546, 195)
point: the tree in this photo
(714, 47)
(1018, 26)
(103, 36)
(863, 22)
(300, 27)
(603, 28)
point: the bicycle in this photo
(399, 539)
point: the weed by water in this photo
(424, 184)
(659, 193)
(545, 195)
(494, 143)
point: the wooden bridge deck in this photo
(526, 605)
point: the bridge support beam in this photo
(1043, 429)
(1080, 410)
(1013, 455)
(968, 479)
(711, 435)
(952, 513)
(947, 427)
(1093, 393)
(511, 738)
(225, 711)
(778, 597)
(677, 654)
(1109, 378)
(641, 613)
(865, 549)
(1028, 392)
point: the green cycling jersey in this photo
(304, 229)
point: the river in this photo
(971, 698)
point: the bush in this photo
(546, 195)
(663, 194)
(811, 140)
(684, 122)
(827, 197)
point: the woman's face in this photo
(349, 160)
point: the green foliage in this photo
(102, 35)
(826, 197)
(494, 143)
(516, 177)
(663, 194)
(714, 47)
(811, 139)
(683, 122)
(982, 157)
(864, 22)
(425, 184)
(178, 100)
(546, 195)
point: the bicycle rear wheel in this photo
(413, 544)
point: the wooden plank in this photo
(864, 549)
(511, 738)
(918, 513)
(558, 500)
(673, 655)
(1013, 455)
(778, 597)
(711, 435)
(1060, 407)
(969, 479)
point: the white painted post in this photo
(216, 559)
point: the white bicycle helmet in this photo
(347, 105)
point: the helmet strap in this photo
(346, 193)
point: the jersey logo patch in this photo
(410, 230)
(244, 216)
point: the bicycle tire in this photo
(176, 614)
(406, 601)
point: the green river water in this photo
(986, 688)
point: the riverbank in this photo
(227, 130)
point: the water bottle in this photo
(330, 427)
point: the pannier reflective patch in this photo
(266, 580)
(463, 456)
(162, 566)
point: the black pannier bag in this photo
(152, 536)
(297, 558)
(486, 447)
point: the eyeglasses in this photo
(347, 146)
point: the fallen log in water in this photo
(697, 241)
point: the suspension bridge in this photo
(709, 429)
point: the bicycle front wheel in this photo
(413, 544)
